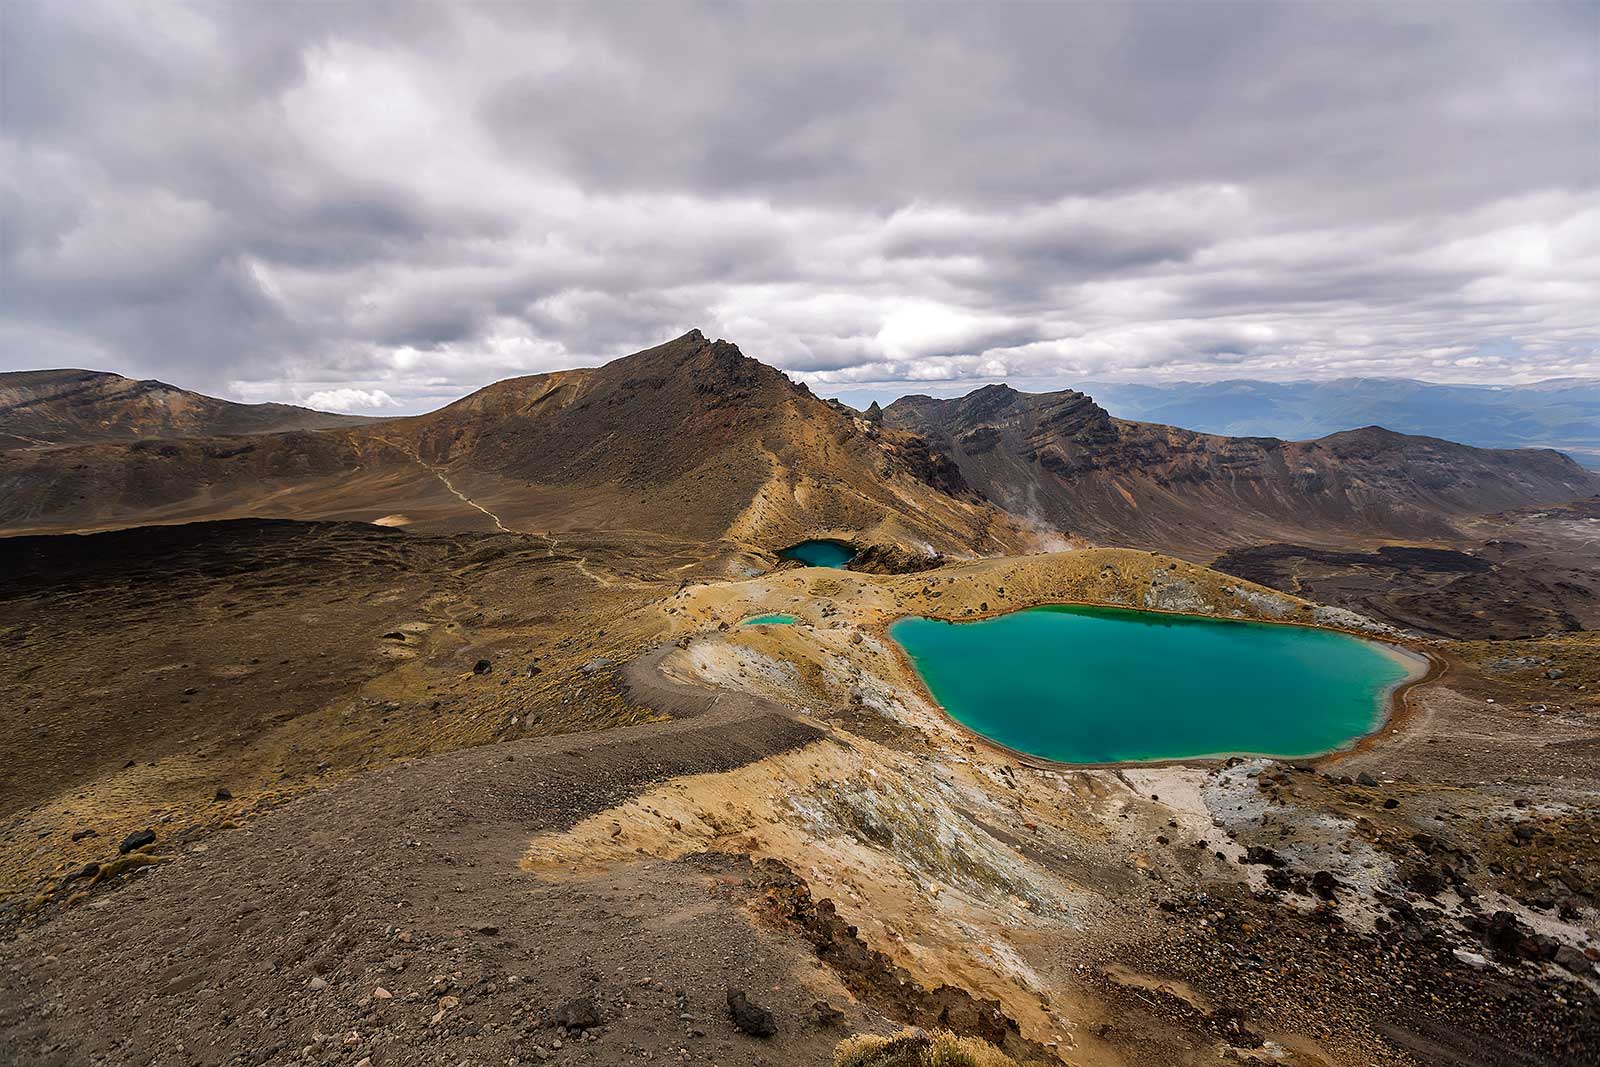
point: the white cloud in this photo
(347, 400)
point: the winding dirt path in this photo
(445, 481)
(251, 946)
(550, 539)
(581, 562)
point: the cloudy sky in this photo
(379, 207)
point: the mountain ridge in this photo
(1063, 460)
(42, 408)
(690, 438)
(694, 439)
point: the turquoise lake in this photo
(775, 619)
(819, 553)
(1108, 685)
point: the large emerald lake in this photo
(1106, 685)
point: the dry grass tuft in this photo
(915, 1048)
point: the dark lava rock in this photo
(222, 794)
(579, 1013)
(1510, 938)
(1555, 672)
(748, 1017)
(81, 834)
(533, 669)
(1323, 884)
(483, 666)
(137, 839)
(1282, 881)
(1573, 960)
(1425, 879)
(1366, 779)
(1260, 854)
(892, 559)
(89, 870)
(828, 1015)
(1391, 803)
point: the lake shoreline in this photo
(1421, 665)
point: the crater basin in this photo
(1111, 685)
(819, 553)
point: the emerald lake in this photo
(819, 553)
(1109, 685)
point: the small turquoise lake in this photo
(775, 619)
(1110, 685)
(819, 553)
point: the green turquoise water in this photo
(1107, 685)
(775, 619)
(819, 553)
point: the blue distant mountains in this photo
(1562, 413)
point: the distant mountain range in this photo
(50, 407)
(1563, 413)
(692, 439)
(1061, 460)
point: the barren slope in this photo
(74, 407)
(688, 439)
(1062, 460)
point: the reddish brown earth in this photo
(689, 439)
(55, 407)
(1060, 459)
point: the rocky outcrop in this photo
(872, 976)
(893, 559)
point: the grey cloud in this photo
(282, 199)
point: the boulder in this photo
(1573, 959)
(749, 1017)
(1261, 855)
(579, 1013)
(137, 839)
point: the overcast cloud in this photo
(379, 207)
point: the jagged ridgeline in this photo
(1063, 461)
(690, 439)
(694, 440)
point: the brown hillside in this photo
(1061, 460)
(689, 439)
(54, 407)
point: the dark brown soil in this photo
(142, 670)
(1495, 590)
(408, 880)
